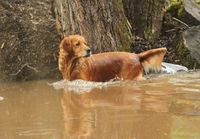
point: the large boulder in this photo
(28, 40)
(187, 49)
(191, 39)
(193, 8)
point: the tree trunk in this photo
(101, 22)
(145, 17)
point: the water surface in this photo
(163, 107)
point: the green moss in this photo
(122, 28)
(118, 5)
(125, 36)
(176, 8)
(148, 34)
(184, 53)
(161, 1)
(140, 21)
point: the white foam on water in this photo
(80, 86)
(172, 68)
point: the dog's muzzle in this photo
(88, 53)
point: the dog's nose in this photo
(88, 51)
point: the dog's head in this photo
(76, 46)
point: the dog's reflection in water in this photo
(100, 111)
(78, 115)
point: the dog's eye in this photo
(77, 44)
(86, 44)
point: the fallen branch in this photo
(181, 22)
(22, 67)
(171, 30)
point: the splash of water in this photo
(79, 86)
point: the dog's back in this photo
(110, 65)
(122, 65)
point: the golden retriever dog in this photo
(76, 62)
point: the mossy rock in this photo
(182, 11)
(185, 56)
(188, 48)
(191, 40)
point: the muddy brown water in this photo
(164, 107)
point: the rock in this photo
(28, 40)
(192, 8)
(191, 39)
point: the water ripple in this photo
(1, 98)
(36, 132)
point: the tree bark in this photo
(145, 17)
(102, 22)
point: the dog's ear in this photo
(66, 45)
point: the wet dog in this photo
(76, 62)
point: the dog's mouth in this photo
(88, 55)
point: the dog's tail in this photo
(152, 59)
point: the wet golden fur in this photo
(75, 62)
